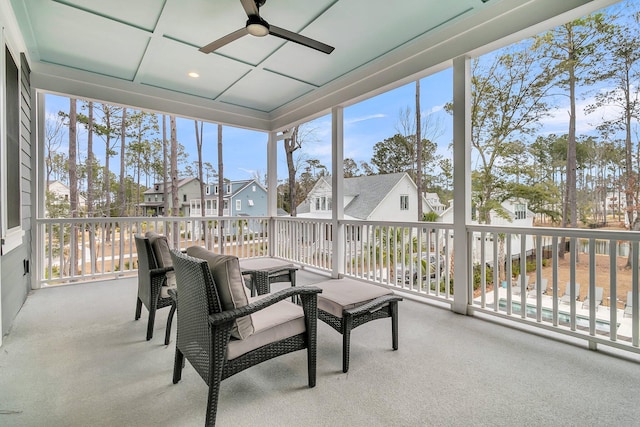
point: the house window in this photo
(228, 188)
(11, 154)
(215, 189)
(520, 211)
(184, 197)
(215, 205)
(238, 205)
(317, 203)
(253, 188)
(250, 202)
(329, 206)
(226, 205)
(404, 202)
(324, 203)
(207, 190)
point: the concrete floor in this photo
(76, 357)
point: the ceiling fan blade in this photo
(223, 41)
(250, 7)
(300, 39)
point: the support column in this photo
(272, 189)
(462, 282)
(38, 187)
(337, 199)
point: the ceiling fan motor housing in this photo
(257, 26)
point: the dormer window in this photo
(520, 211)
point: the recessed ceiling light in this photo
(194, 74)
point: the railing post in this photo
(272, 191)
(337, 177)
(462, 277)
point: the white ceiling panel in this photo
(216, 72)
(76, 39)
(264, 91)
(143, 14)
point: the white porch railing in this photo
(104, 247)
(592, 260)
(415, 257)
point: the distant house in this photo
(153, 203)
(241, 198)
(60, 194)
(518, 216)
(435, 205)
(247, 198)
(389, 197)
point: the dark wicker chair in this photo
(205, 329)
(152, 286)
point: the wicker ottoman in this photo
(345, 304)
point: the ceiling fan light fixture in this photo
(257, 26)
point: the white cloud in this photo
(558, 121)
(433, 110)
(364, 118)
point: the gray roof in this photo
(367, 191)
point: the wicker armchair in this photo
(152, 285)
(220, 341)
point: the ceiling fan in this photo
(256, 26)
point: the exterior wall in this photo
(321, 189)
(192, 191)
(389, 209)
(258, 197)
(15, 282)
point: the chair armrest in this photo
(373, 305)
(160, 271)
(230, 315)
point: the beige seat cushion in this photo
(161, 251)
(225, 270)
(343, 294)
(263, 263)
(274, 323)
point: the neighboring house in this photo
(241, 198)
(435, 205)
(518, 216)
(153, 198)
(61, 193)
(389, 197)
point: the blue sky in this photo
(366, 123)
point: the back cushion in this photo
(225, 270)
(160, 247)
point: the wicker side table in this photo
(262, 278)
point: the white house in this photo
(389, 197)
(61, 193)
(518, 216)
